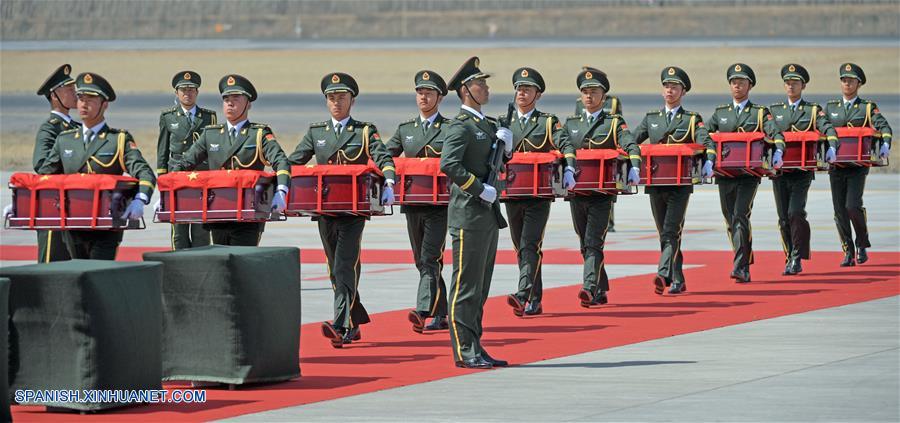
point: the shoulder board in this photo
(614, 115)
(545, 114)
(53, 120)
(210, 111)
(573, 117)
(656, 112)
(834, 101)
(757, 106)
(780, 103)
(446, 119)
(408, 121)
(865, 101)
(462, 116)
(318, 124)
(491, 119)
(216, 126)
(259, 125)
(723, 106)
(811, 104)
(689, 113)
(69, 131)
(169, 110)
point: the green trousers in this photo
(791, 191)
(51, 246)
(94, 245)
(669, 207)
(474, 252)
(242, 234)
(527, 222)
(590, 215)
(847, 186)
(736, 197)
(190, 235)
(427, 229)
(342, 241)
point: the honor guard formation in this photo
(450, 173)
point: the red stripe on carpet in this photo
(391, 355)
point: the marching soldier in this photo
(474, 218)
(791, 188)
(736, 194)
(848, 183)
(59, 89)
(673, 125)
(97, 148)
(238, 144)
(344, 140)
(533, 131)
(179, 127)
(427, 225)
(594, 129)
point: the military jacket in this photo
(608, 131)
(861, 113)
(538, 134)
(410, 140)
(111, 152)
(356, 144)
(254, 148)
(464, 160)
(686, 127)
(46, 137)
(177, 134)
(753, 118)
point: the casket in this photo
(801, 150)
(671, 164)
(533, 175)
(421, 182)
(743, 153)
(858, 147)
(336, 190)
(216, 196)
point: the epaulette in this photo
(723, 106)
(779, 104)
(210, 111)
(318, 124)
(578, 116)
(216, 126)
(545, 114)
(811, 104)
(54, 120)
(69, 131)
(259, 125)
(462, 116)
(116, 130)
(408, 121)
(446, 119)
(655, 112)
(168, 110)
(491, 119)
(834, 101)
(689, 113)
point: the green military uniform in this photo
(473, 223)
(736, 194)
(426, 225)
(355, 142)
(51, 246)
(669, 203)
(791, 188)
(108, 151)
(535, 131)
(242, 146)
(177, 132)
(590, 214)
(848, 183)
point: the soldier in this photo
(611, 105)
(97, 148)
(791, 188)
(532, 130)
(474, 218)
(238, 144)
(673, 125)
(59, 89)
(594, 129)
(179, 127)
(344, 140)
(736, 194)
(427, 225)
(848, 183)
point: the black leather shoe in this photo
(352, 335)
(678, 288)
(438, 323)
(659, 285)
(474, 363)
(585, 297)
(862, 256)
(417, 319)
(848, 260)
(600, 298)
(494, 362)
(796, 267)
(741, 276)
(336, 335)
(533, 309)
(517, 304)
(788, 269)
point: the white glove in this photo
(7, 211)
(885, 150)
(707, 170)
(507, 136)
(157, 206)
(279, 200)
(387, 195)
(777, 160)
(634, 176)
(489, 194)
(569, 178)
(830, 155)
(135, 210)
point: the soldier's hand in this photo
(569, 178)
(830, 155)
(135, 210)
(634, 176)
(279, 201)
(507, 136)
(489, 194)
(777, 160)
(7, 211)
(157, 206)
(707, 170)
(885, 150)
(387, 195)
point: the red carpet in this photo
(391, 355)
